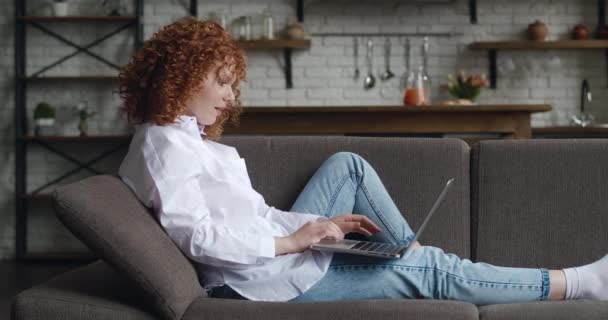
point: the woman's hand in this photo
(314, 231)
(355, 223)
(311, 232)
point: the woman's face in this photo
(207, 104)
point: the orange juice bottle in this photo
(416, 90)
(414, 97)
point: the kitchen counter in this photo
(509, 121)
(599, 131)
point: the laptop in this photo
(377, 249)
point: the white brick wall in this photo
(322, 75)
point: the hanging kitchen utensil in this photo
(369, 80)
(387, 74)
(356, 56)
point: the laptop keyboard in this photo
(381, 248)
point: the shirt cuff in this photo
(267, 247)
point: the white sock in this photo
(589, 281)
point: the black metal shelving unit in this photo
(22, 140)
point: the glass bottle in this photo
(243, 28)
(425, 65)
(268, 26)
(416, 92)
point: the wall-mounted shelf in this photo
(275, 44)
(286, 45)
(69, 78)
(76, 19)
(117, 137)
(527, 44)
(494, 46)
(37, 196)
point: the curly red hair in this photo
(163, 74)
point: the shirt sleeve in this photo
(186, 217)
(291, 220)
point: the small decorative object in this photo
(114, 7)
(538, 31)
(84, 114)
(60, 8)
(295, 31)
(467, 87)
(580, 32)
(44, 119)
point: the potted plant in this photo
(466, 88)
(44, 119)
(60, 8)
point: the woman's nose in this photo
(229, 95)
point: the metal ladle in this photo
(387, 74)
(356, 56)
(369, 80)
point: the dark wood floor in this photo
(18, 276)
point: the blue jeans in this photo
(346, 183)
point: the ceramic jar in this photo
(295, 31)
(538, 31)
(580, 32)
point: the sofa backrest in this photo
(414, 171)
(539, 203)
(104, 213)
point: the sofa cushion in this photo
(540, 203)
(94, 291)
(347, 310)
(104, 213)
(546, 310)
(414, 171)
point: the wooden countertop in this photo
(570, 129)
(381, 109)
(510, 121)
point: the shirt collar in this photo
(190, 123)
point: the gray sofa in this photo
(532, 203)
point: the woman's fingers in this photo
(366, 223)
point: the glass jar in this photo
(417, 89)
(242, 28)
(268, 25)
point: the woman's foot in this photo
(589, 281)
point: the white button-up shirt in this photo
(202, 196)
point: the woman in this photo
(179, 90)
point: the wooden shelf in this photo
(77, 138)
(284, 44)
(80, 256)
(531, 45)
(600, 131)
(76, 18)
(70, 78)
(275, 44)
(29, 196)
